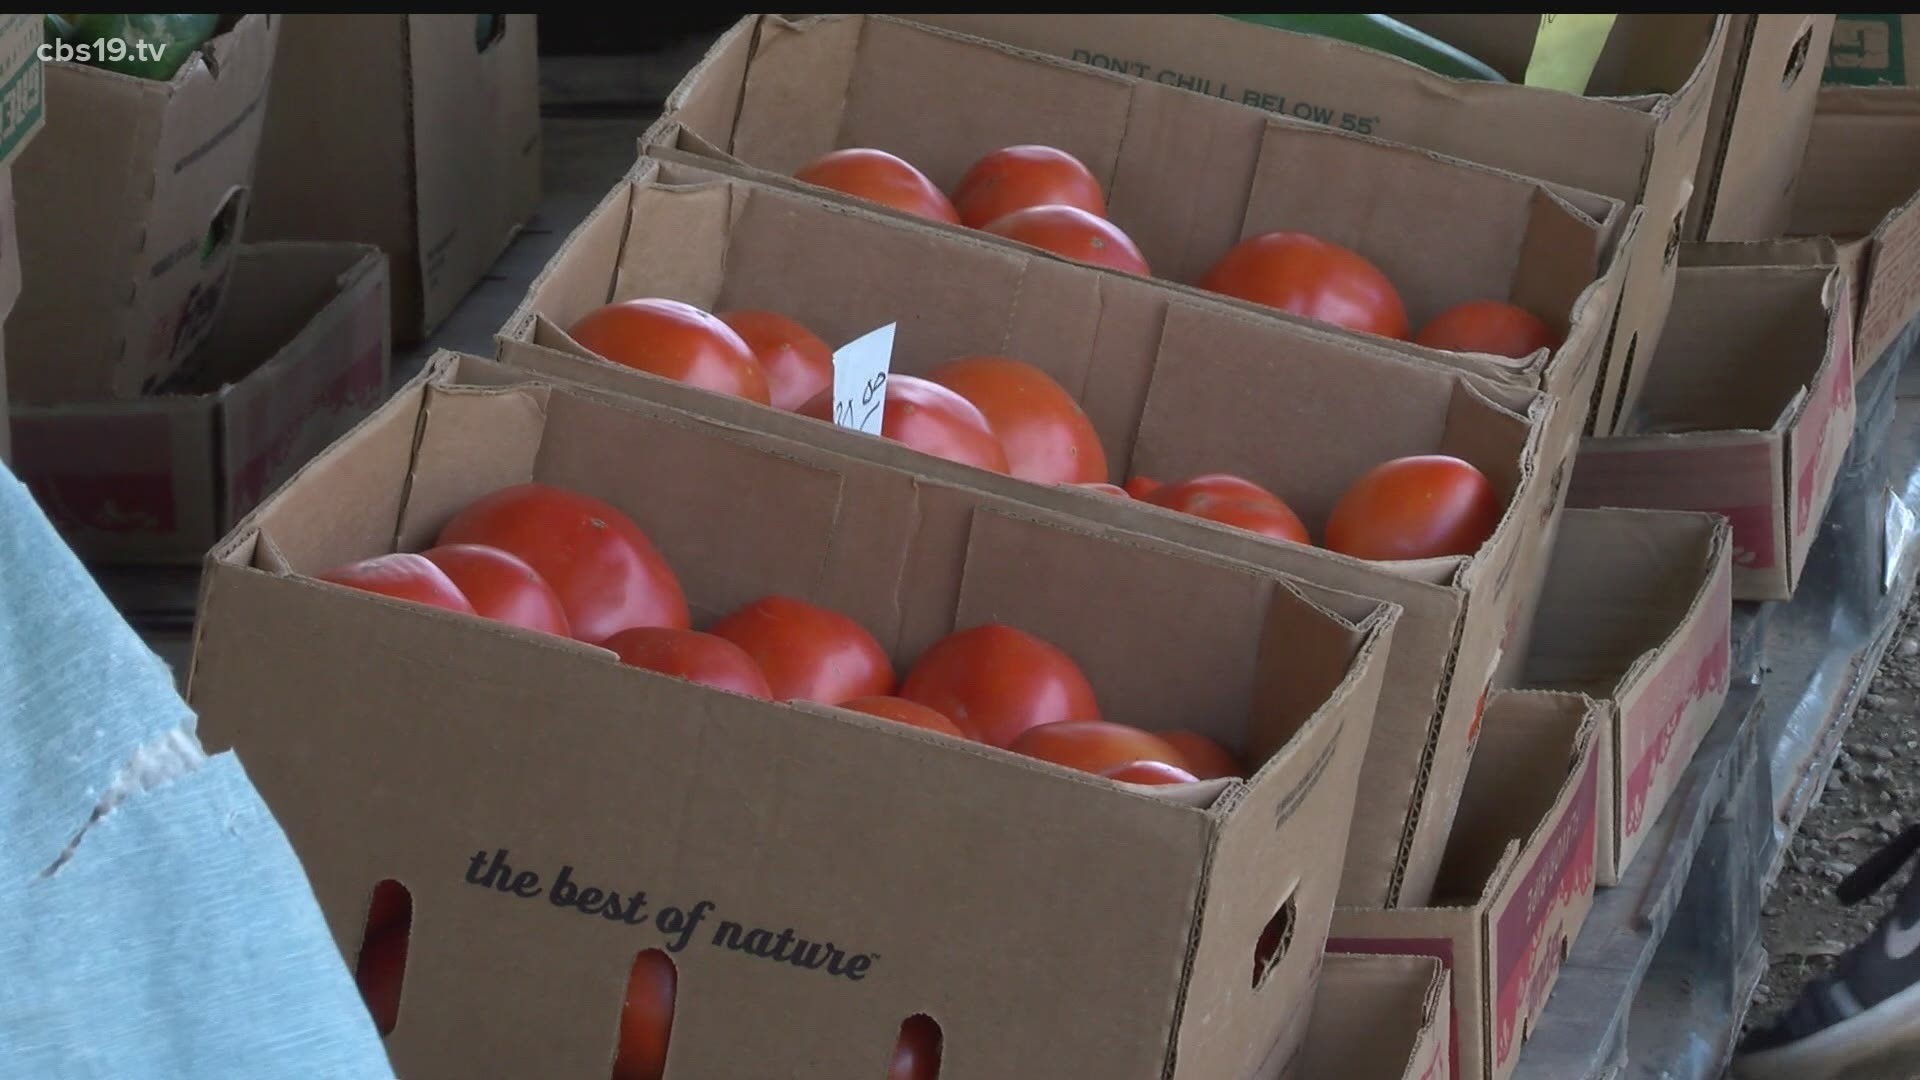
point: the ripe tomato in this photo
(1016, 177)
(1313, 278)
(1141, 486)
(995, 682)
(1417, 507)
(1202, 756)
(878, 176)
(930, 418)
(808, 653)
(690, 655)
(906, 712)
(796, 362)
(675, 341)
(916, 1056)
(1046, 436)
(1072, 233)
(646, 1018)
(403, 576)
(1105, 488)
(1276, 520)
(1181, 496)
(1149, 772)
(1093, 746)
(1488, 326)
(607, 573)
(379, 972)
(501, 586)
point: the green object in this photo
(143, 46)
(1867, 50)
(485, 29)
(1382, 34)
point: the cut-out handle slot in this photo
(381, 968)
(916, 1055)
(487, 31)
(1797, 58)
(224, 225)
(1276, 938)
(646, 1018)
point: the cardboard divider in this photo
(1380, 1018)
(1751, 415)
(1282, 404)
(1636, 613)
(1763, 104)
(1517, 881)
(549, 759)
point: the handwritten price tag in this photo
(1566, 50)
(860, 380)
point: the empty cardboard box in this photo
(1380, 1018)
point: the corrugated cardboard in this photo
(1636, 613)
(1858, 185)
(410, 133)
(1380, 1018)
(1174, 385)
(1187, 176)
(1518, 881)
(130, 204)
(1636, 136)
(1751, 414)
(461, 739)
(299, 355)
(22, 111)
(1763, 107)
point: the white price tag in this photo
(860, 380)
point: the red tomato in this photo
(917, 1055)
(1016, 177)
(808, 653)
(379, 972)
(1182, 495)
(1276, 520)
(1488, 326)
(1149, 772)
(403, 576)
(995, 682)
(1105, 488)
(675, 341)
(607, 573)
(501, 586)
(877, 176)
(930, 418)
(1072, 233)
(646, 1018)
(1310, 277)
(796, 362)
(1204, 758)
(906, 712)
(1417, 507)
(1141, 486)
(1046, 436)
(690, 655)
(1093, 746)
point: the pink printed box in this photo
(301, 353)
(1748, 408)
(1516, 881)
(1637, 611)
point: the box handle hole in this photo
(916, 1055)
(646, 1018)
(1275, 940)
(381, 968)
(224, 226)
(1797, 58)
(1626, 376)
(487, 31)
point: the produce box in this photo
(1380, 1018)
(1186, 177)
(1757, 130)
(299, 355)
(1518, 879)
(416, 133)
(1636, 135)
(1859, 186)
(1636, 613)
(130, 203)
(724, 819)
(1750, 416)
(22, 111)
(1172, 386)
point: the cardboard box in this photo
(912, 853)
(22, 111)
(1858, 185)
(1175, 386)
(1763, 107)
(1636, 613)
(1749, 416)
(130, 205)
(1873, 50)
(1380, 1018)
(411, 132)
(1186, 176)
(1636, 136)
(1518, 880)
(300, 354)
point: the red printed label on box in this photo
(1826, 424)
(1659, 732)
(108, 474)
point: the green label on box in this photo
(23, 85)
(1867, 50)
